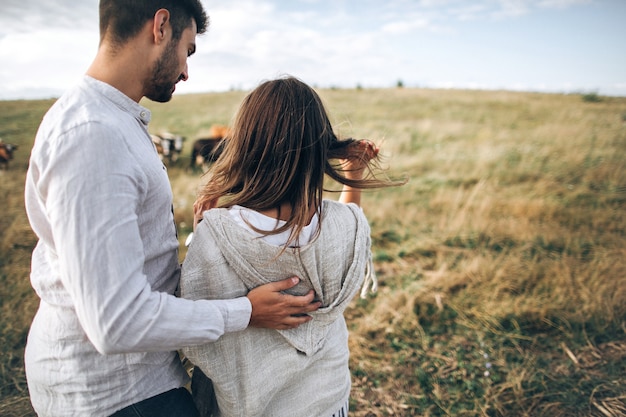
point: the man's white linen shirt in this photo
(106, 264)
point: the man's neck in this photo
(118, 71)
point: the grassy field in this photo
(502, 262)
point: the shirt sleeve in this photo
(92, 192)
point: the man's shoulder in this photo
(81, 109)
(81, 103)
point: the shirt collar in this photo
(120, 99)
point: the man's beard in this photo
(164, 78)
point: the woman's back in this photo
(298, 372)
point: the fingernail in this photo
(295, 280)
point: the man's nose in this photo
(184, 76)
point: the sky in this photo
(555, 46)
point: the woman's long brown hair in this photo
(279, 148)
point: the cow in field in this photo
(6, 154)
(204, 151)
(168, 145)
(207, 150)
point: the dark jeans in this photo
(173, 403)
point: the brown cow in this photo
(6, 153)
(206, 150)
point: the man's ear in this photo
(161, 25)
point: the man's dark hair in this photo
(123, 19)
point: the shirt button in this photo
(142, 114)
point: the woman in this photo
(267, 218)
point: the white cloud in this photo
(46, 45)
(505, 9)
(34, 64)
(27, 16)
(411, 24)
(469, 12)
(561, 4)
(511, 8)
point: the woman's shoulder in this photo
(342, 217)
(332, 206)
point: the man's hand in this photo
(274, 310)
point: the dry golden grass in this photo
(502, 262)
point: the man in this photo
(104, 339)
